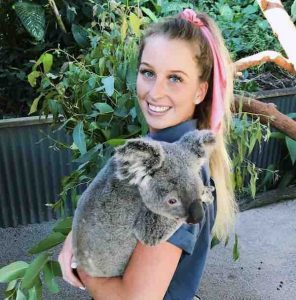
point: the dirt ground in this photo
(266, 269)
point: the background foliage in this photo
(82, 70)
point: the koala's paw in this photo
(208, 137)
(207, 194)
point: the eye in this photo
(175, 78)
(147, 73)
(172, 201)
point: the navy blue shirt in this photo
(193, 239)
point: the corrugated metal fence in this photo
(30, 171)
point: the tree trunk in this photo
(269, 197)
(267, 112)
(281, 25)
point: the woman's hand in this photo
(67, 266)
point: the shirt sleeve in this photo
(185, 237)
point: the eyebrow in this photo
(173, 71)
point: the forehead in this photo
(174, 54)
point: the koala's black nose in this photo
(195, 213)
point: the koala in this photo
(145, 192)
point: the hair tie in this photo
(219, 77)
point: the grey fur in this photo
(128, 200)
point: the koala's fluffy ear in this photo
(137, 159)
(199, 142)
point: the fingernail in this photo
(82, 288)
(73, 265)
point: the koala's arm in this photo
(146, 277)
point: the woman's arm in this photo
(147, 275)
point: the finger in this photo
(68, 273)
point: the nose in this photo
(195, 213)
(157, 89)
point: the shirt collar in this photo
(174, 133)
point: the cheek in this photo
(140, 87)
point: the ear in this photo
(199, 142)
(137, 159)
(201, 92)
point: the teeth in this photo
(158, 108)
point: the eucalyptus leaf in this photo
(103, 108)
(149, 13)
(123, 29)
(135, 23)
(64, 226)
(116, 142)
(235, 251)
(49, 278)
(20, 295)
(33, 270)
(54, 239)
(293, 11)
(13, 271)
(32, 77)
(214, 242)
(35, 104)
(79, 138)
(108, 83)
(291, 145)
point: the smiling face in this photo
(168, 85)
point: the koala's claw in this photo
(207, 194)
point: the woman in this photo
(184, 83)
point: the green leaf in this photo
(149, 13)
(108, 83)
(103, 108)
(79, 137)
(277, 135)
(80, 35)
(250, 9)
(292, 115)
(87, 156)
(35, 293)
(33, 270)
(135, 24)
(13, 271)
(123, 29)
(49, 278)
(32, 77)
(32, 17)
(92, 82)
(291, 144)
(11, 285)
(214, 242)
(116, 142)
(226, 12)
(55, 238)
(235, 252)
(47, 60)
(226, 241)
(293, 11)
(35, 104)
(64, 226)
(55, 268)
(20, 295)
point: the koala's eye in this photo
(172, 201)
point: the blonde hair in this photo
(220, 163)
